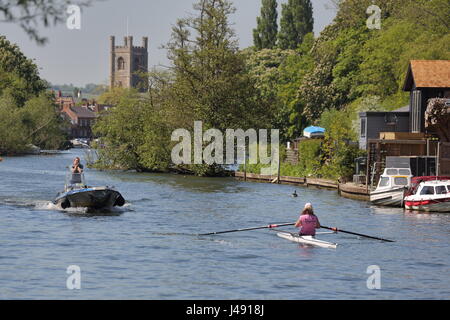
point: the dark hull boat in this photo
(95, 198)
(77, 195)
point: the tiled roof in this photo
(83, 112)
(428, 74)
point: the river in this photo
(148, 249)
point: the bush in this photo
(310, 157)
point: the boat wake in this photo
(86, 212)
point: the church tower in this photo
(126, 62)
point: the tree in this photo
(210, 75)
(19, 75)
(266, 32)
(134, 134)
(28, 113)
(12, 131)
(296, 21)
(437, 118)
(37, 123)
(292, 74)
(43, 122)
(338, 153)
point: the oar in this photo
(270, 226)
(356, 234)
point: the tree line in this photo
(288, 80)
(28, 114)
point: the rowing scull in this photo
(310, 240)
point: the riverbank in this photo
(346, 190)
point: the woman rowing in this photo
(308, 221)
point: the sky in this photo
(82, 56)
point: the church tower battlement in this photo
(126, 61)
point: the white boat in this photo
(431, 194)
(309, 240)
(391, 187)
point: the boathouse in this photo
(374, 122)
(425, 79)
(418, 140)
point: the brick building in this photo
(81, 118)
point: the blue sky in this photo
(82, 56)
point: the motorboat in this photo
(429, 193)
(392, 187)
(77, 194)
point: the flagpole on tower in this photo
(127, 27)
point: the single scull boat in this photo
(310, 240)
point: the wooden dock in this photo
(347, 190)
(354, 191)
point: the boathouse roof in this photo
(427, 74)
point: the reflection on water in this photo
(150, 249)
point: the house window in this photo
(391, 119)
(363, 127)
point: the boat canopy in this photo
(415, 182)
(314, 132)
(394, 178)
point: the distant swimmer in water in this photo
(308, 221)
(295, 195)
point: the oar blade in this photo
(270, 226)
(357, 234)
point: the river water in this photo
(148, 249)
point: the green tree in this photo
(210, 75)
(28, 113)
(264, 66)
(292, 73)
(134, 134)
(37, 123)
(338, 151)
(266, 33)
(19, 75)
(12, 131)
(44, 126)
(296, 22)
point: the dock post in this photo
(279, 170)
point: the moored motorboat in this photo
(77, 195)
(391, 187)
(309, 240)
(430, 194)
